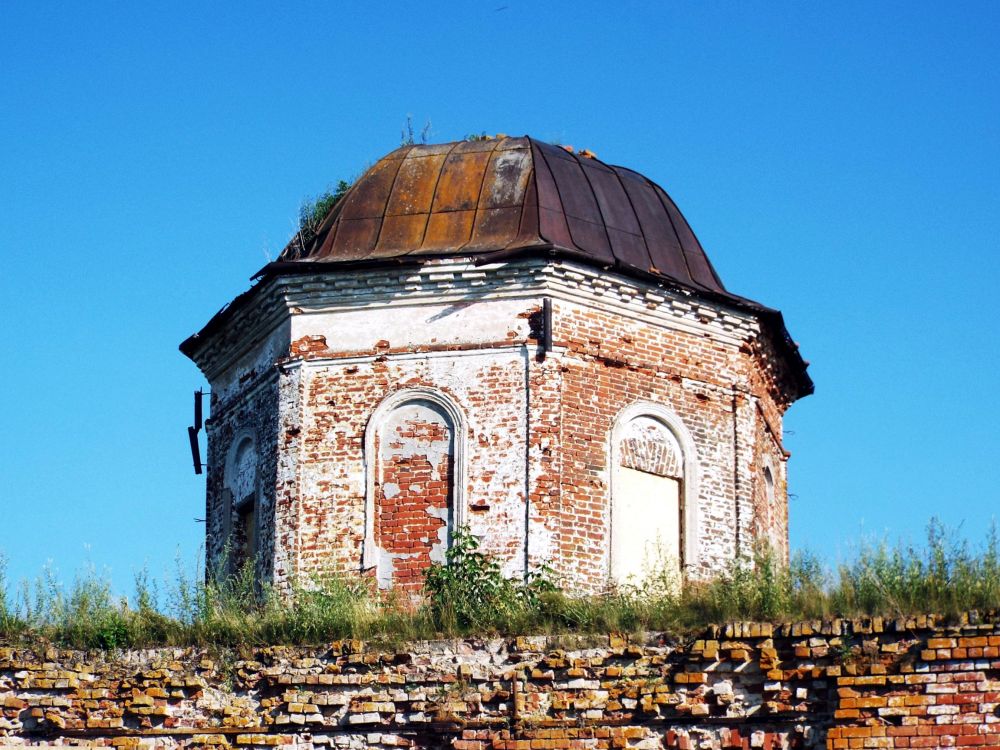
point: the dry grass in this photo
(470, 596)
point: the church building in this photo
(506, 336)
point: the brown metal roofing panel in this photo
(528, 232)
(702, 272)
(367, 199)
(574, 190)
(413, 190)
(464, 147)
(495, 228)
(500, 204)
(355, 238)
(431, 149)
(552, 151)
(665, 251)
(626, 238)
(449, 230)
(592, 240)
(399, 153)
(552, 225)
(506, 178)
(616, 208)
(548, 194)
(577, 204)
(629, 249)
(583, 215)
(514, 142)
(460, 182)
(400, 235)
(327, 241)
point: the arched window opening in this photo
(647, 503)
(413, 489)
(243, 501)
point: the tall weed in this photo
(9, 624)
(943, 576)
(470, 592)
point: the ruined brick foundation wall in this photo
(839, 684)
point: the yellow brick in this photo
(978, 641)
(871, 702)
(941, 643)
(209, 739)
(870, 680)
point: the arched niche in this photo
(771, 516)
(769, 486)
(241, 501)
(414, 466)
(653, 514)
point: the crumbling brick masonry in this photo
(867, 683)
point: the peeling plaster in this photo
(416, 450)
(440, 548)
(531, 456)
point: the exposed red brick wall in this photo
(611, 363)
(338, 404)
(770, 516)
(257, 416)
(651, 451)
(413, 496)
(537, 442)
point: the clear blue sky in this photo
(838, 161)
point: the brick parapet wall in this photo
(841, 684)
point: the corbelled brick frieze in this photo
(863, 683)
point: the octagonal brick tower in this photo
(507, 336)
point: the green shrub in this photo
(312, 212)
(469, 591)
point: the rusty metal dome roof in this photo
(504, 198)
(508, 196)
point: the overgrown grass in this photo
(313, 211)
(469, 595)
(947, 575)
